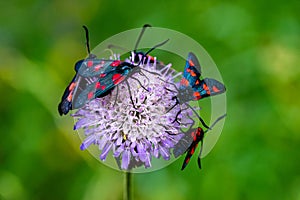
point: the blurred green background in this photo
(256, 46)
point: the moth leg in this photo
(177, 103)
(199, 156)
(170, 84)
(116, 98)
(142, 74)
(140, 83)
(178, 113)
(176, 117)
(198, 116)
(130, 93)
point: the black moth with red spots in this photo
(190, 142)
(96, 78)
(193, 88)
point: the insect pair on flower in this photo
(96, 78)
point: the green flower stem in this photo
(127, 186)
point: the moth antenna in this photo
(158, 45)
(215, 122)
(87, 39)
(140, 36)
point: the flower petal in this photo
(105, 151)
(125, 159)
(87, 142)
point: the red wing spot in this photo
(197, 82)
(98, 85)
(117, 78)
(115, 63)
(215, 89)
(195, 138)
(191, 72)
(199, 131)
(188, 160)
(69, 98)
(90, 95)
(90, 63)
(72, 86)
(205, 87)
(102, 75)
(193, 134)
(192, 151)
(191, 63)
(97, 67)
(103, 87)
(197, 95)
(184, 82)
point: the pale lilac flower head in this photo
(134, 134)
